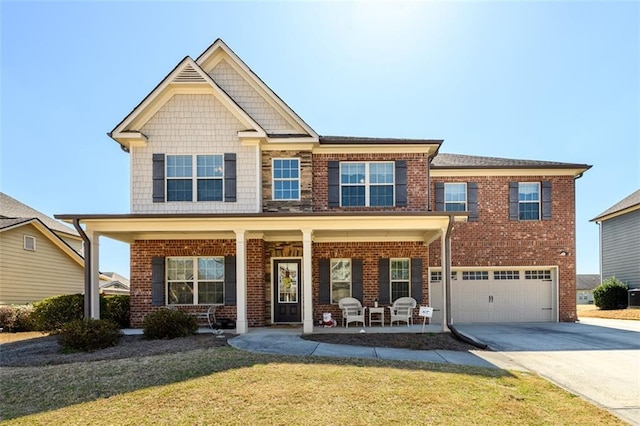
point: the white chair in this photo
(352, 311)
(402, 310)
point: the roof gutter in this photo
(87, 268)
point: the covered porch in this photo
(306, 228)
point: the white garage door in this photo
(517, 295)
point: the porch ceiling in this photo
(426, 226)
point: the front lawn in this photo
(222, 385)
(592, 311)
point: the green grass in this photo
(227, 386)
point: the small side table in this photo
(380, 311)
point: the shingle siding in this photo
(621, 248)
(193, 124)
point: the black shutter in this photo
(158, 178)
(416, 279)
(546, 200)
(230, 280)
(472, 201)
(513, 201)
(230, 178)
(334, 183)
(401, 183)
(439, 196)
(157, 281)
(357, 280)
(384, 281)
(325, 282)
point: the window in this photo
(455, 197)
(195, 280)
(506, 275)
(475, 275)
(209, 177)
(367, 184)
(537, 275)
(400, 278)
(286, 178)
(436, 276)
(529, 201)
(340, 279)
(29, 243)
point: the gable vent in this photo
(189, 75)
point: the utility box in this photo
(634, 298)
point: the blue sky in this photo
(531, 80)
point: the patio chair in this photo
(402, 310)
(352, 311)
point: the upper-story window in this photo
(286, 178)
(529, 201)
(367, 184)
(455, 197)
(208, 175)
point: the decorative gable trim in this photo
(219, 51)
(186, 78)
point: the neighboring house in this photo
(113, 283)
(585, 283)
(39, 256)
(620, 241)
(237, 202)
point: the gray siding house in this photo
(620, 241)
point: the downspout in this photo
(446, 269)
(429, 183)
(87, 268)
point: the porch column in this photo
(241, 282)
(446, 276)
(94, 262)
(307, 286)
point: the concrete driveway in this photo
(597, 359)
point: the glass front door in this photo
(286, 289)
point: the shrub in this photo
(611, 294)
(52, 313)
(89, 335)
(15, 318)
(168, 324)
(116, 308)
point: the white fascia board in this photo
(437, 172)
(375, 149)
(616, 214)
(57, 241)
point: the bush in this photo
(89, 335)
(116, 308)
(611, 294)
(168, 324)
(15, 318)
(52, 313)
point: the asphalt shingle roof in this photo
(12, 209)
(587, 281)
(630, 201)
(459, 161)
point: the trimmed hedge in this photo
(611, 294)
(169, 324)
(88, 335)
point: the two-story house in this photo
(237, 202)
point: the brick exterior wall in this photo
(494, 240)
(416, 180)
(305, 204)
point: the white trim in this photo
(461, 173)
(466, 197)
(391, 280)
(194, 280)
(340, 259)
(26, 246)
(367, 184)
(539, 202)
(273, 179)
(194, 178)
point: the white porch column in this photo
(241, 282)
(307, 287)
(446, 276)
(94, 260)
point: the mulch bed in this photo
(415, 341)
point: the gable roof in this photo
(587, 281)
(459, 161)
(13, 212)
(626, 205)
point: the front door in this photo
(286, 290)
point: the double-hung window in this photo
(529, 201)
(286, 178)
(368, 184)
(400, 278)
(195, 280)
(208, 177)
(455, 197)
(340, 279)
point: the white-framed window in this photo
(475, 275)
(400, 278)
(286, 178)
(29, 243)
(195, 280)
(207, 171)
(455, 197)
(537, 275)
(436, 276)
(506, 275)
(340, 279)
(529, 200)
(369, 184)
